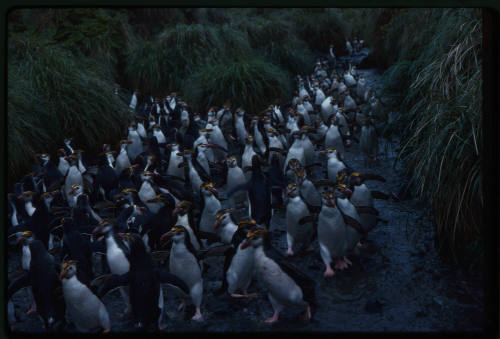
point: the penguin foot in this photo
(106, 330)
(347, 261)
(273, 319)
(329, 272)
(340, 264)
(245, 295)
(182, 305)
(308, 315)
(289, 252)
(162, 326)
(197, 316)
(32, 309)
(359, 244)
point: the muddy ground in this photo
(397, 281)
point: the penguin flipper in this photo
(370, 176)
(16, 285)
(112, 283)
(379, 195)
(306, 219)
(366, 210)
(173, 281)
(214, 251)
(352, 222)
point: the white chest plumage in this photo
(117, 261)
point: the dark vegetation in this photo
(71, 73)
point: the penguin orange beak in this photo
(72, 191)
(175, 211)
(214, 192)
(169, 234)
(63, 274)
(245, 244)
(216, 224)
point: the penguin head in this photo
(292, 190)
(222, 217)
(72, 159)
(177, 234)
(328, 198)
(231, 161)
(25, 238)
(342, 192)
(27, 196)
(45, 157)
(147, 175)
(105, 227)
(76, 190)
(183, 207)
(208, 189)
(300, 173)
(61, 153)
(49, 196)
(249, 139)
(68, 269)
(255, 237)
(355, 179)
(293, 164)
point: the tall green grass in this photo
(440, 118)
(249, 83)
(53, 95)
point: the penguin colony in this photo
(182, 188)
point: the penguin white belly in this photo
(184, 221)
(296, 209)
(334, 139)
(240, 271)
(195, 180)
(227, 232)
(281, 288)
(259, 140)
(117, 261)
(85, 310)
(308, 147)
(173, 166)
(183, 264)
(349, 103)
(310, 194)
(295, 153)
(26, 258)
(332, 236)
(212, 206)
(320, 97)
(240, 130)
(362, 197)
(122, 162)
(63, 166)
(146, 192)
(334, 167)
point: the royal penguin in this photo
(211, 206)
(361, 88)
(217, 138)
(246, 158)
(328, 108)
(144, 282)
(224, 225)
(336, 238)
(349, 79)
(296, 151)
(116, 254)
(184, 218)
(239, 263)
(47, 289)
(135, 147)
(147, 192)
(285, 285)
(73, 177)
(308, 191)
(239, 202)
(122, 160)
(333, 138)
(334, 164)
(257, 135)
(298, 229)
(239, 125)
(63, 164)
(175, 164)
(183, 262)
(84, 309)
(368, 141)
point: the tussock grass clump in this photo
(441, 123)
(53, 95)
(249, 83)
